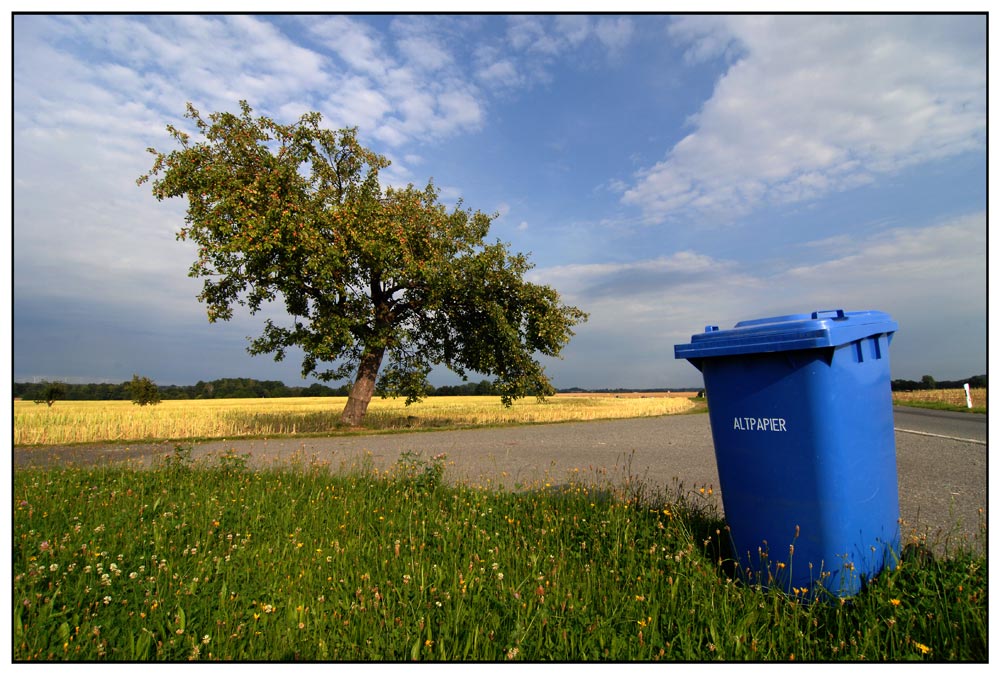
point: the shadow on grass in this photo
(262, 423)
(694, 510)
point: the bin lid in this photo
(827, 328)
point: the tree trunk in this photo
(363, 389)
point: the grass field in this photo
(943, 399)
(212, 561)
(219, 563)
(117, 421)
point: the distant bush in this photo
(143, 391)
(48, 392)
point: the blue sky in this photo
(664, 172)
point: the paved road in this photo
(941, 462)
(941, 424)
(941, 458)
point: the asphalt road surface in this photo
(941, 459)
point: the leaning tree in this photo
(379, 282)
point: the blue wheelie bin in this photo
(801, 413)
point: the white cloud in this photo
(910, 266)
(528, 33)
(354, 42)
(636, 300)
(397, 99)
(535, 43)
(449, 193)
(574, 28)
(92, 94)
(645, 307)
(460, 107)
(551, 36)
(810, 107)
(425, 53)
(391, 133)
(614, 32)
(150, 67)
(500, 74)
(902, 265)
(354, 101)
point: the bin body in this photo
(801, 415)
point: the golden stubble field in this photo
(954, 397)
(121, 421)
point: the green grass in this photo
(216, 562)
(941, 405)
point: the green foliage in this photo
(179, 460)
(418, 473)
(232, 462)
(942, 405)
(233, 387)
(49, 392)
(143, 391)
(32, 391)
(217, 563)
(928, 382)
(296, 212)
(481, 388)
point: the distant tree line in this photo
(928, 382)
(236, 387)
(243, 387)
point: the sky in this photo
(664, 172)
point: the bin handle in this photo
(840, 314)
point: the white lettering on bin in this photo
(759, 424)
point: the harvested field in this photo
(116, 421)
(954, 397)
